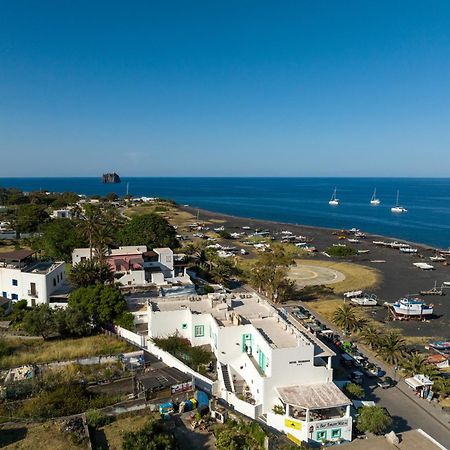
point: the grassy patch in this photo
(34, 436)
(112, 434)
(175, 216)
(36, 350)
(357, 276)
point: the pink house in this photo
(120, 259)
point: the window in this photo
(14, 282)
(199, 331)
(4, 294)
(54, 281)
(321, 435)
(14, 297)
(184, 326)
(335, 434)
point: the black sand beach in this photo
(400, 277)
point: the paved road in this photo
(408, 412)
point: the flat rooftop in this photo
(249, 309)
(313, 396)
(274, 332)
(41, 267)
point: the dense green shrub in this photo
(341, 252)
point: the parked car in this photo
(356, 377)
(374, 371)
(386, 382)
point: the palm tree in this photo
(442, 386)
(90, 223)
(413, 364)
(346, 318)
(392, 348)
(371, 336)
(102, 241)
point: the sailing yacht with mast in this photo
(397, 208)
(374, 200)
(334, 201)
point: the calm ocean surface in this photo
(293, 200)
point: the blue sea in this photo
(293, 200)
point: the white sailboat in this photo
(397, 208)
(334, 201)
(374, 200)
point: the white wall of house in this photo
(17, 284)
(249, 356)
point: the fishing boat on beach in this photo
(397, 208)
(334, 201)
(410, 308)
(374, 201)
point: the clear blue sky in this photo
(226, 88)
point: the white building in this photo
(267, 368)
(135, 266)
(62, 214)
(24, 278)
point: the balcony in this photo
(33, 294)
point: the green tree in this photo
(373, 419)
(413, 364)
(40, 321)
(224, 234)
(152, 437)
(30, 217)
(269, 273)
(103, 304)
(72, 321)
(442, 387)
(371, 336)
(111, 197)
(340, 252)
(60, 238)
(392, 348)
(354, 390)
(151, 230)
(90, 272)
(346, 318)
(91, 222)
(65, 199)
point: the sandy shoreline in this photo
(399, 277)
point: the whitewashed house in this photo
(22, 277)
(267, 368)
(135, 266)
(62, 214)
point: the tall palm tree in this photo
(346, 318)
(371, 336)
(90, 223)
(442, 386)
(392, 348)
(413, 364)
(102, 241)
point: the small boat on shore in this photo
(409, 250)
(397, 208)
(365, 300)
(437, 258)
(334, 201)
(442, 346)
(374, 201)
(411, 308)
(434, 290)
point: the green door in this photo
(262, 360)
